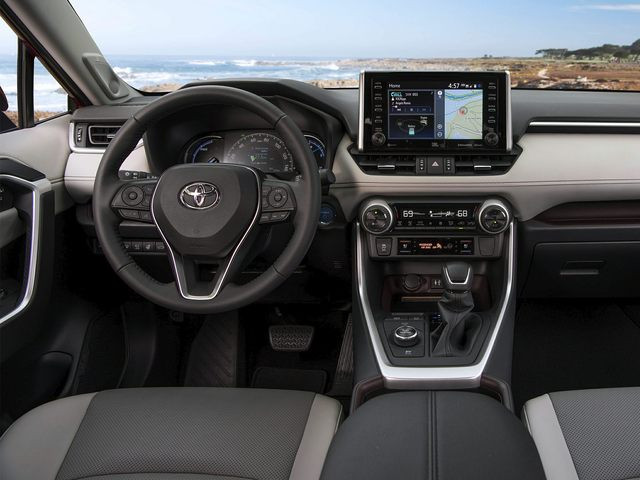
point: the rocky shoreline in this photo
(525, 72)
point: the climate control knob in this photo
(494, 217)
(377, 217)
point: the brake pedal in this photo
(291, 338)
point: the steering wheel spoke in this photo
(278, 201)
(205, 278)
(133, 200)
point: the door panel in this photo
(26, 254)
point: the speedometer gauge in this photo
(263, 151)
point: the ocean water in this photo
(142, 71)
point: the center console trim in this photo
(395, 377)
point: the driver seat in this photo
(173, 433)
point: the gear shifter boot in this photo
(457, 333)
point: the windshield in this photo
(158, 45)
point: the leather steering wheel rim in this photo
(108, 183)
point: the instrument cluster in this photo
(263, 150)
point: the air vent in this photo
(434, 164)
(101, 135)
(388, 164)
(487, 165)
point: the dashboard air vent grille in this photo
(101, 135)
(434, 164)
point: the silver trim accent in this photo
(37, 188)
(395, 377)
(494, 203)
(451, 282)
(361, 112)
(75, 149)
(509, 129)
(585, 124)
(179, 272)
(381, 204)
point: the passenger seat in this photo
(587, 434)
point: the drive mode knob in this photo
(405, 336)
(377, 217)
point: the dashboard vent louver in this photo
(388, 164)
(101, 135)
(423, 165)
(488, 165)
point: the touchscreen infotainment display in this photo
(434, 111)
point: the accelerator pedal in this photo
(290, 338)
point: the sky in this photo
(348, 29)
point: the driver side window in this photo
(8, 79)
(42, 96)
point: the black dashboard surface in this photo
(342, 104)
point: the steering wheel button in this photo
(132, 196)
(279, 216)
(130, 214)
(278, 197)
(265, 217)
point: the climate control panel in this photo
(402, 228)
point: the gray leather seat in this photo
(587, 434)
(173, 433)
(432, 435)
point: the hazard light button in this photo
(435, 166)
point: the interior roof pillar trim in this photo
(394, 377)
(38, 188)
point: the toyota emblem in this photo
(200, 196)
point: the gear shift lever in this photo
(459, 328)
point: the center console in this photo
(435, 273)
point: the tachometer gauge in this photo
(318, 149)
(207, 149)
(263, 151)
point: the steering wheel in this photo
(207, 214)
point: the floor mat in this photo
(290, 379)
(569, 345)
